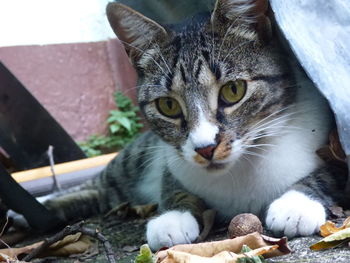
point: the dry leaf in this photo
(209, 249)
(333, 240)
(6, 259)
(16, 252)
(333, 152)
(143, 211)
(125, 209)
(71, 244)
(184, 257)
(330, 228)
(174, 256)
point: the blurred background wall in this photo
(66, 55)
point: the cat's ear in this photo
(134, 30)
(249, 16)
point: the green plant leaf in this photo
(123, 126)
(125, 122)
(114, 128)
(145, 255)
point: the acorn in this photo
(244, 224)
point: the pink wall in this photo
(74, 82)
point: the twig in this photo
(56, 184)
(4, 228)
(70, 230)
(108, 247)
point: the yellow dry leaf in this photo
(330, 228)
(332, 240)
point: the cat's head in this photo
(213, 87)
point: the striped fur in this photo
(264, 145)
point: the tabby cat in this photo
(234, 127)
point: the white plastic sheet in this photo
(318, 32)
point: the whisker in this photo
(253, 154)
(270, 115)
(162, 57)
(140, 86)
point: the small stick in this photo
(107, 246)
(56, 185)
(70, 230)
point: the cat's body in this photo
(234, 129)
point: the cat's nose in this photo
(207, 152)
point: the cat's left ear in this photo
(135, 31)
(242, 16)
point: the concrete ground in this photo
(126, 236)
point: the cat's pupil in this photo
(169, 103)
(233, 88)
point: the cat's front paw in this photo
(171, 228)
(295, 214)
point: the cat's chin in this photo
(216, 166)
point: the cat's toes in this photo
(295, 214)
(171, 228)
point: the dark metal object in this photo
(26, 132)
(19, 200)
(27, 129)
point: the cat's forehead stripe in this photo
(183, 74)
(199, 66)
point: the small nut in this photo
(244, 224)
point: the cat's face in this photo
(212, 89)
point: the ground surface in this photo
(127, 235)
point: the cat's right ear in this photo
(244, 17)
(134, 30)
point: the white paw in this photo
(171, 228)
(295, 214)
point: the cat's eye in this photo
(169, 107)
(232, 92)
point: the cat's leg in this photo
(76, 205)
(179, 225)
(304, 207)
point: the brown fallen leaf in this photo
(333, 153)
(16, 252)
(209, 249)
(337, 211)
(222, 257)
(6, 259)
(126, 209)
(71, 244)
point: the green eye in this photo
(232, 92)
(169, 107)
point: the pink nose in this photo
(207, 152)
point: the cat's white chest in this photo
(251, 185)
